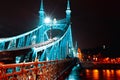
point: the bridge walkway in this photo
(48, 70)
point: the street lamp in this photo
(49, 22)
(54, 21)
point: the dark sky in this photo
(93, 22)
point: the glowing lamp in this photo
(47, 20)
(54, 21)
(34, 37)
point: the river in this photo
(93, 74)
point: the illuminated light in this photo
(95, 70)
(87, 72)
(54, 21)
(47, 20)
(34, 36)
(79, 54)
(96, 59)
(93, 58)
(112, 72)
(34, 39)
(108, 73)
(17, 59)
(47, 59)
(95, 74)
(103, 71)
(89, 57)
(118, 73)
(104, 46)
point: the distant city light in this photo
(104, 46)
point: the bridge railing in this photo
(35, 70)
(25, 40)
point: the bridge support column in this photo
(17, 60)
(12, 44)
(21, 42)
(43, 56)
(34, 55)
(2, 45)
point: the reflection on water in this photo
(75, 74)
(94, 74)
(101, 74)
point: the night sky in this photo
(94, 22)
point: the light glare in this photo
(47, 20)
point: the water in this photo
(94, 74)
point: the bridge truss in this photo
(44, 44)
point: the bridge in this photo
(46, 52)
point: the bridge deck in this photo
(36, 70)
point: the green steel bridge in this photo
(44, 53)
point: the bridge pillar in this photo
(17, 60)
(68, 11)
(2, 45)
(21, 42)
(33, 39)
(34, 55)
(48, 55)
(43, 56)
(12, 44)
(41, 13)
(28, 40)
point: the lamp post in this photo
(50, 23)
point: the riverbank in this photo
(99, 65)
(78, 73)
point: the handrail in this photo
(43, 70)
